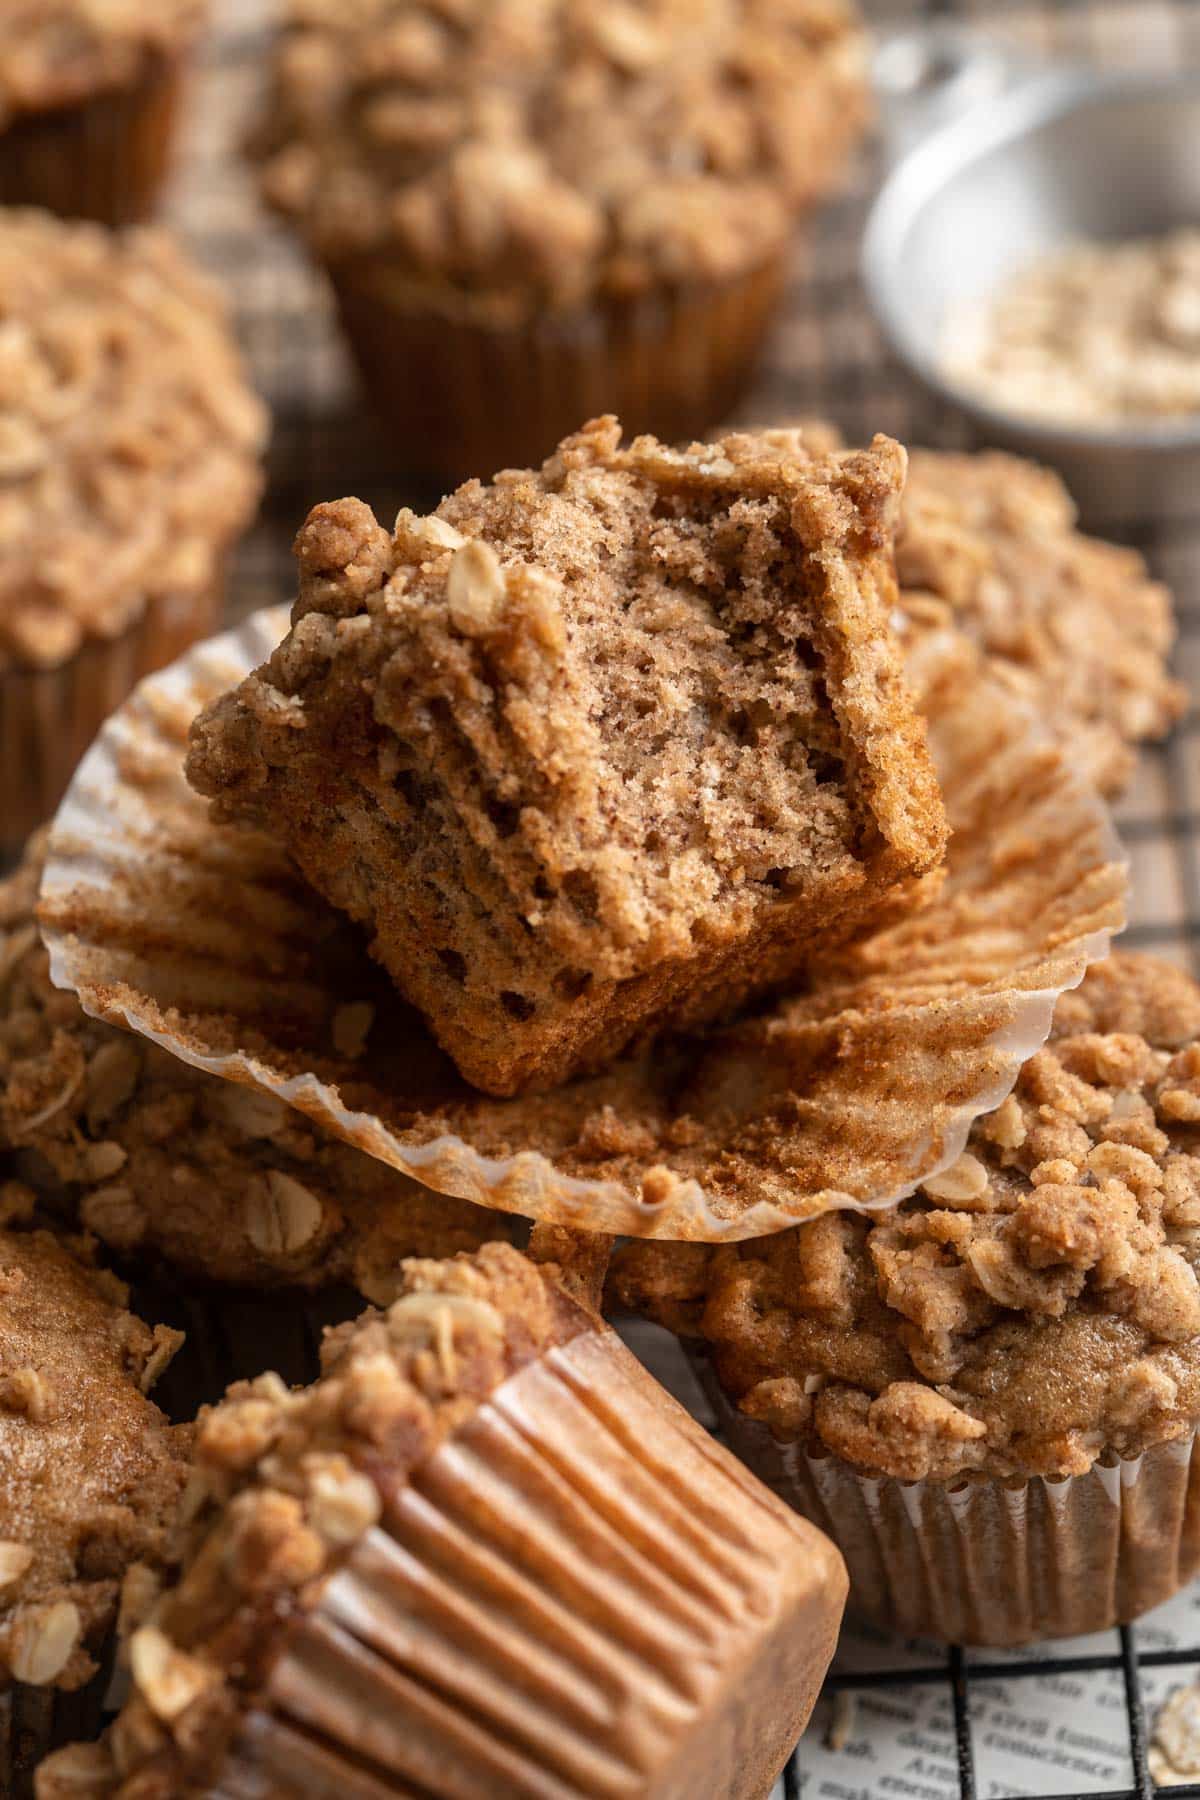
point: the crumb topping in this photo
(163, 1162)
(523, 148)
(129, 439)
(989, 543)
(54, 52)
(286, 1482)
(90, 1471)
(1034, 1308)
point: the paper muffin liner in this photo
(578, 1592)
(205, 940)
(462, 393)
(991, 1562)
(49, 717)
(104, 158)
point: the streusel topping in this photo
(129, 439)
(90, 1471)
(989, 543)
(54, 52)
(1033, 1308)
(162, 1161)
(516, 147)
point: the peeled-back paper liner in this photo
(647, 1621)
(984, 1561)
(206, 940)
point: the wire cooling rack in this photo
(896, 1722)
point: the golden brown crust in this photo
(1034, 1308)
(129, 442)
(597, 746)
(54, 53)
(164, 1163)
(90, 1471)
(522, 152)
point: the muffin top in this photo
(557, 148)
(287, 1482)
(162, 1161)
(1033, 1308)
(129, 439)
(56, 52)
(989, 543)
(90, 1471)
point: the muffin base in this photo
(462, 394)
(104, 159)
(49, 717)
(645, 1622)
(989, 1562)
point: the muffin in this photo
(598, 747)
(90, 1476)
(88, 97)
(531, 213)
(989, 1396)
(129, 457)
(1075, 626)
(484, 1554)
(173, 1167)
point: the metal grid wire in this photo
(930, 1725)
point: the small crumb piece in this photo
(1175, 1739)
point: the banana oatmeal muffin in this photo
(484, 1554)
(531, 212)
(130, 462)
(88, 98)
(597, 747)
(90, 1471)
(169, 1165)
(989, 1396)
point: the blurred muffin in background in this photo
(130, 449)
(88, 98)
(534, 213)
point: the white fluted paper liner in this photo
(205, 940)
(988, 1562)
(577, 1595)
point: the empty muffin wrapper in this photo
(205, 939)
(982, 1561)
